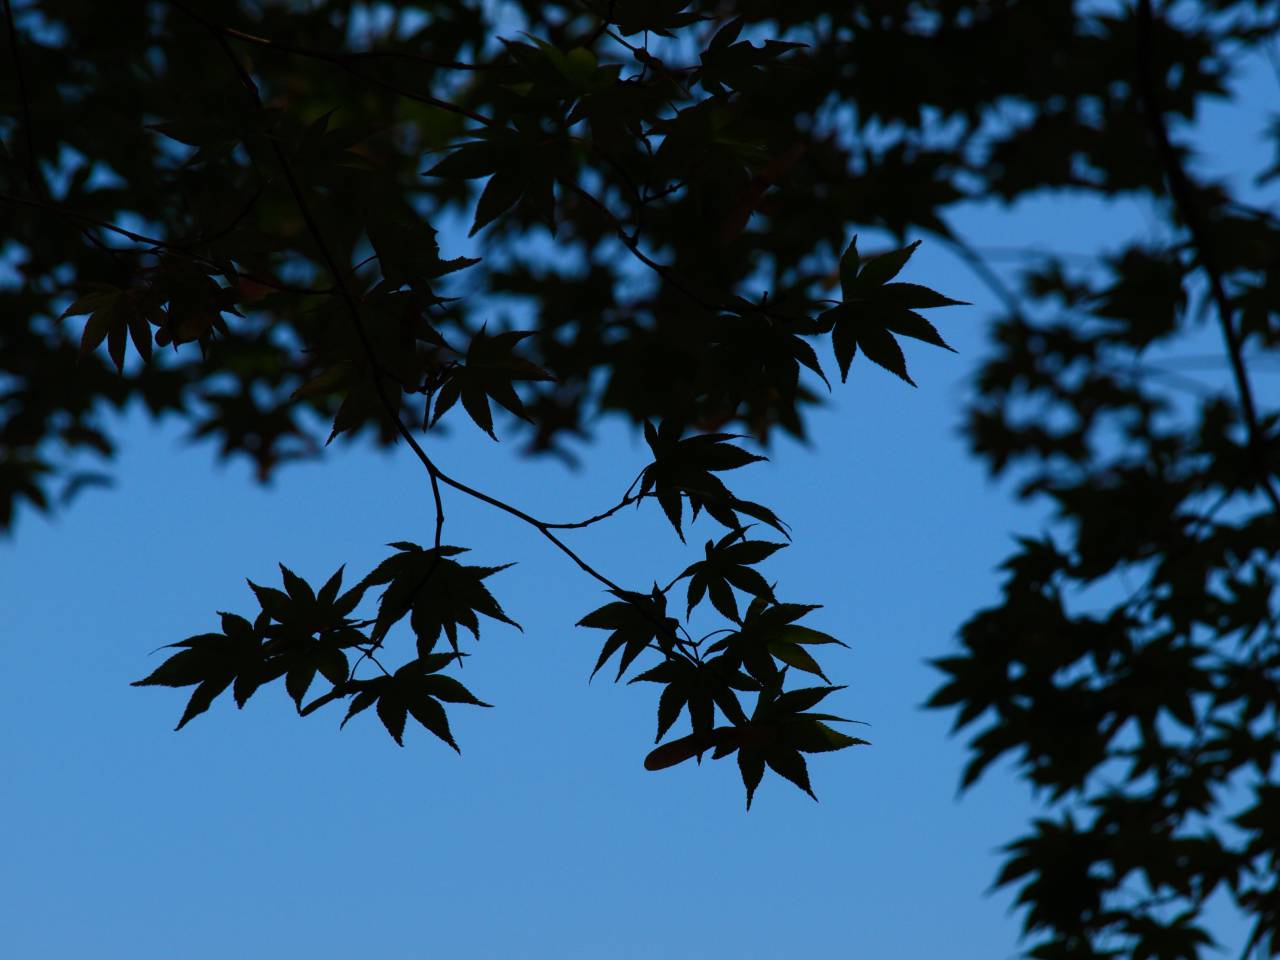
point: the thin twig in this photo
(229, 228)
(605, 20)
(633, 245)
(578, 525)
(159, 245)
(647, 60)
(429, 61)
(339, 60)
(74, 215)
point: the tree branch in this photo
(1183, 194)
(436, 474)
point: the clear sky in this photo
(256, 834)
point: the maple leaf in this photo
(726, 565)
(436, 592)
(415, 690)
(873, 309)
(308, 632)
(521, 165)
(686, 469)
(657, 16)
(700, 687)
(636, 621)
(116, 316)
(769, 632)
(407, 250)
(489, 370)
(780, 730)
(212, 662)
(729, 62)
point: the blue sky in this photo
(257, 834)
(246, 834)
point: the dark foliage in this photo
(226, 211)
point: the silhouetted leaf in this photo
(726, 565)
(872, 309)
(635, 622)
(686, 469)
(490, 369)
(436, 592)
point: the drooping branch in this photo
(437, 476)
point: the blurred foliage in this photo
(227, 210)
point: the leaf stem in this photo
(624, 502)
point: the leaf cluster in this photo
(302, 634)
